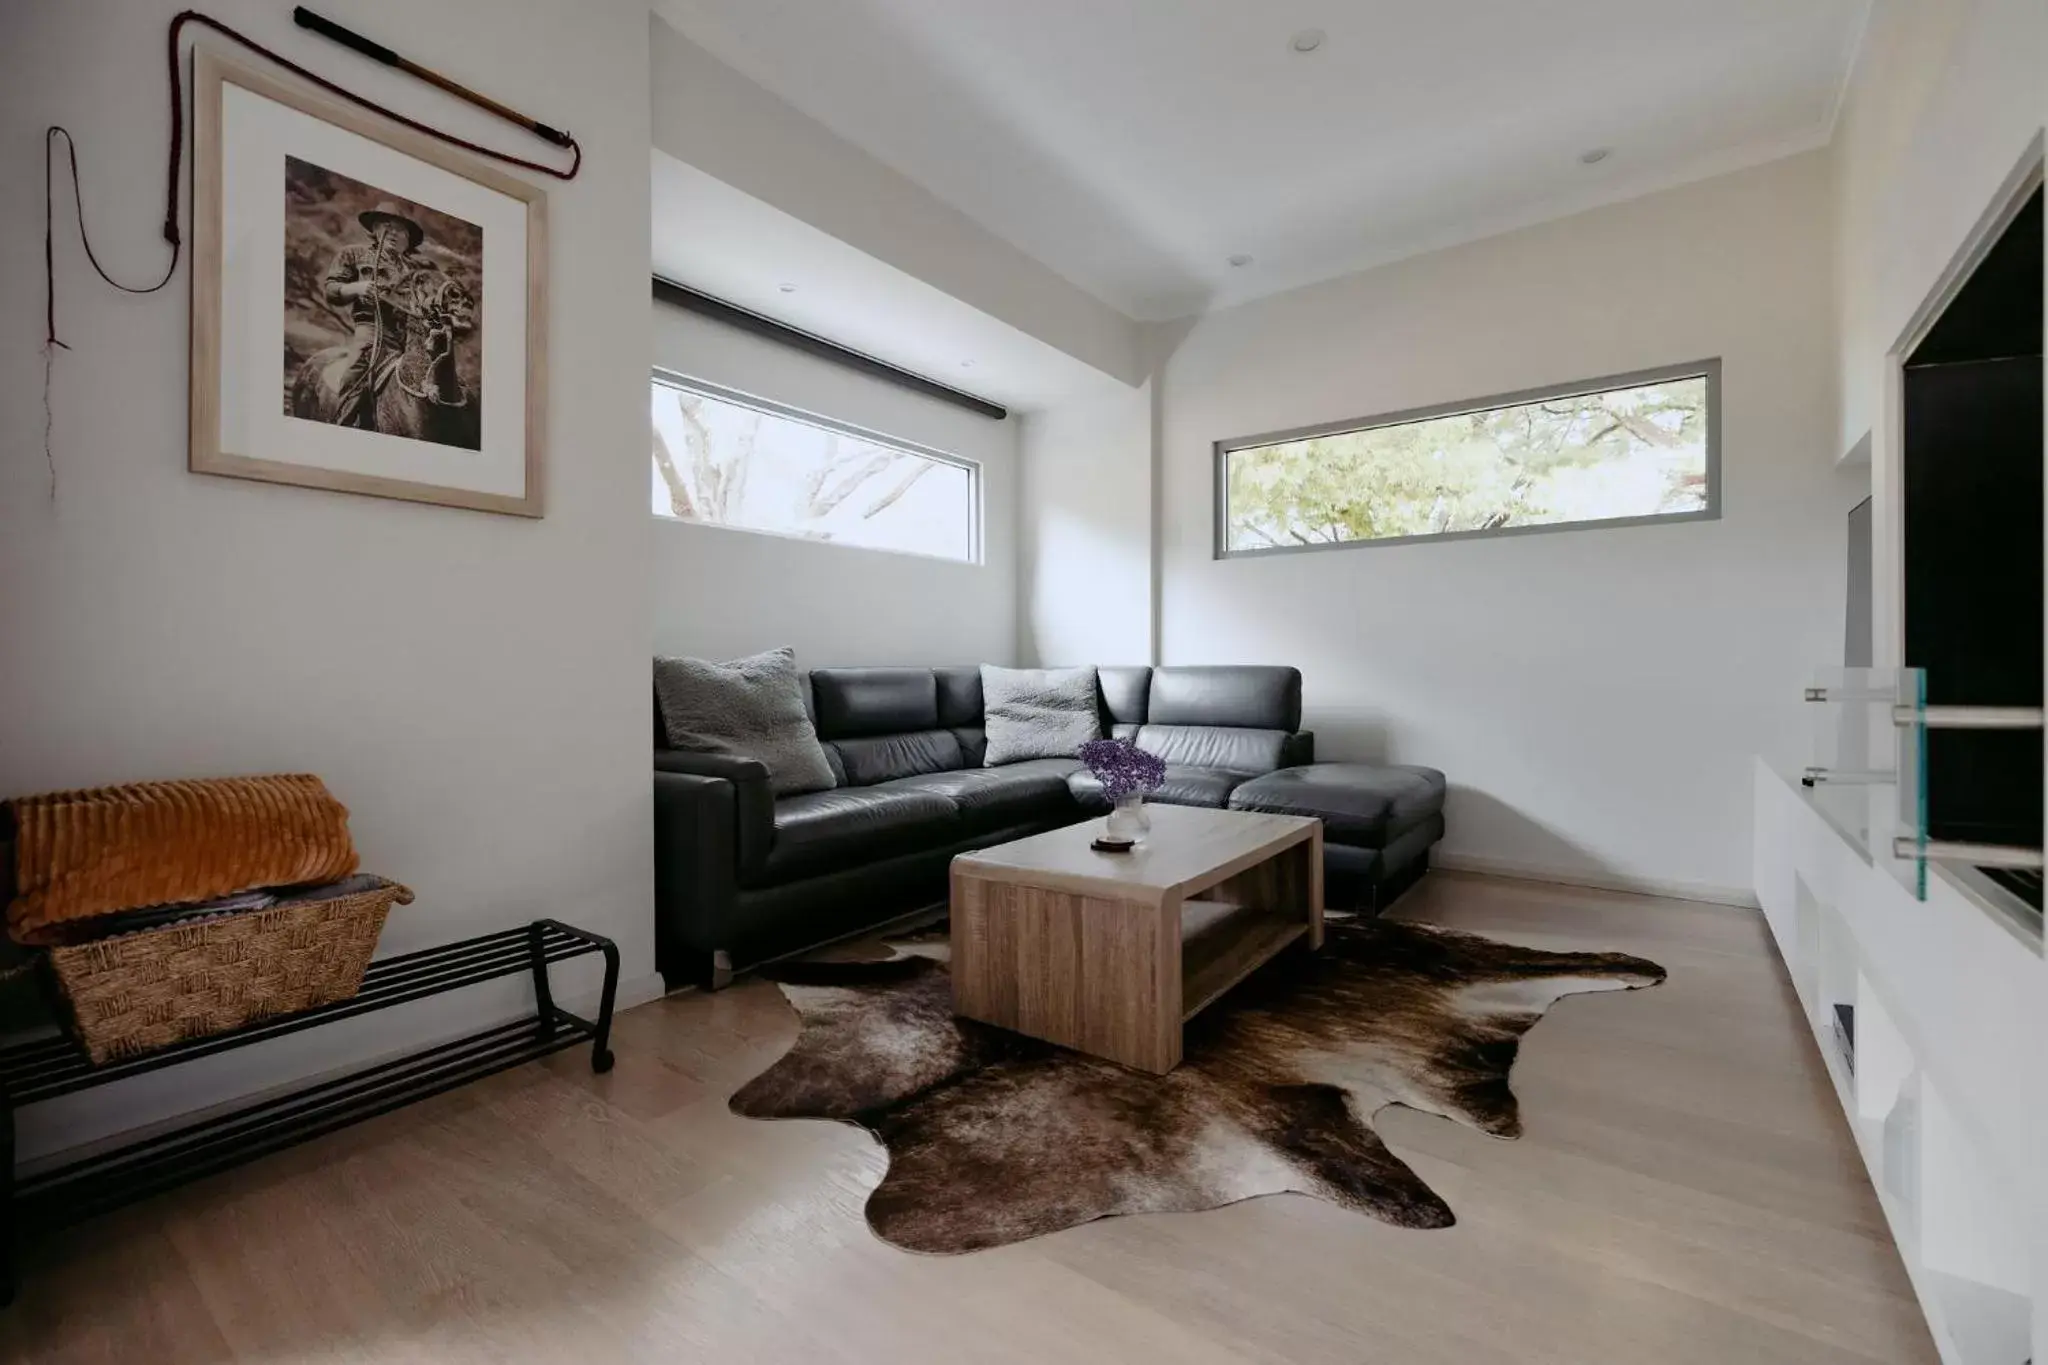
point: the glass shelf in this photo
(1869, 768)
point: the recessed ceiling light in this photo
(1308, 40)
(1596, 156)
(787, 288)
(1240, 260)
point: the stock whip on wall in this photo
(174, 160)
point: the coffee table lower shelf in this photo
(1222, 944)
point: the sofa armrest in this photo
(731, 767)
(1299, 750)
(753, 799)
(694, 871)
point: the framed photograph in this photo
(368, 305)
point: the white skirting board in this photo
(1597, 880)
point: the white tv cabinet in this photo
(1947, 1090)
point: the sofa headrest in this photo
(1123, 692)
(1233, 749)
(878, 758)
(850, 702)
(1242, 695)
(959, 694)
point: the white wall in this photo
(1944, 102)
(474, 687)
(1944, 105)
(1594, 695)
(1085, 567)
(709, 115)
(721, 593)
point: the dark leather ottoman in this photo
(1378, 822)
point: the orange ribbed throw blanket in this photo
(84, 853)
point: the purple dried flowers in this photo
(1123, 767)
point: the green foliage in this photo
(1627, 452)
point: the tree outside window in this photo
(727, 463)
(1632, 452)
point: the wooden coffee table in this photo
(1109, 953)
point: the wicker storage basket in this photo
(134, 993)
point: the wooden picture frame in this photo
(432, 382)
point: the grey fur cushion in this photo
(749, 708)
(1037, 712)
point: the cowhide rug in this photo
(993, 1137)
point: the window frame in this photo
(1710, 370)
(977, 510)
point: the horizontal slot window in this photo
(1635, 449)
(722, 459)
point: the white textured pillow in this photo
(1037, 712)
(749, 708)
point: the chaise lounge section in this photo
(742, 877)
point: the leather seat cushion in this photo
(991, 798)
(1361, 804)
(878, 758)
(1184, 786)
(825, 831)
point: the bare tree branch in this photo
(824, 503)
(816, 484)
(678, 494)
(740, 464)
(918, 469)
(703, 470)
(1649, 433)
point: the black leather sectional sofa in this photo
(742, 877)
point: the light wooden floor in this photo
(1686, 1192)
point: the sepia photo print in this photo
(383, 301)
(396, 380)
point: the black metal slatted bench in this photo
(48, 1066)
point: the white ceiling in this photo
(1134, 145)
(724, 242)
